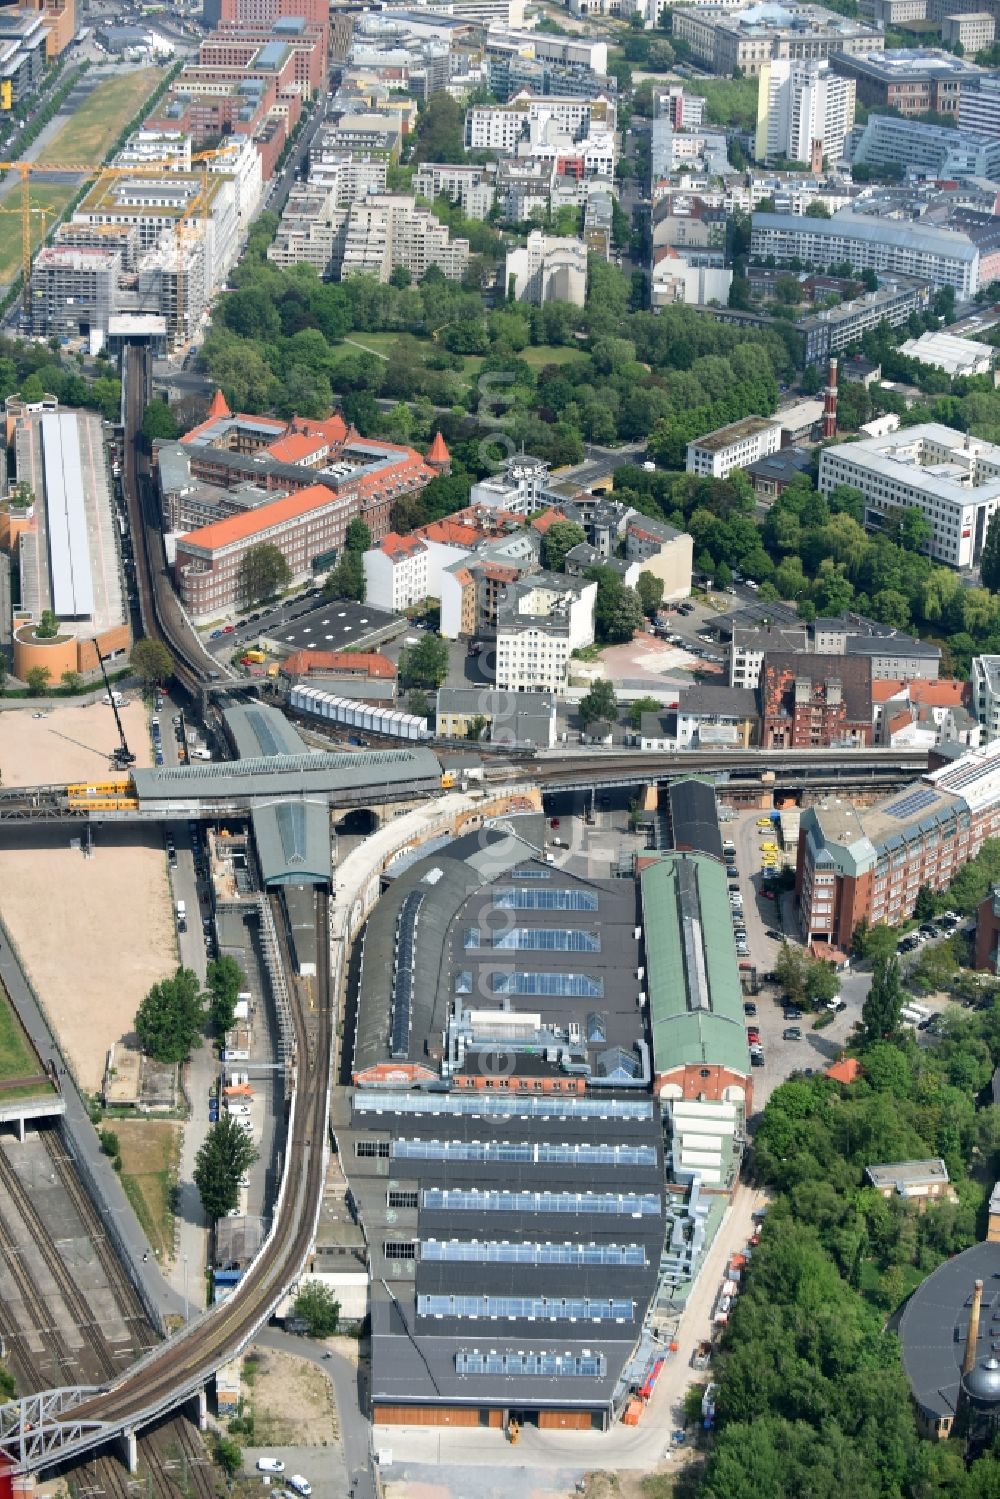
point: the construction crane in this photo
(155, 167)
(122, 756)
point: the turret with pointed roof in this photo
(218, 407)
(438, 456)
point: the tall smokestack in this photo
(972, 1336)
(830, 402)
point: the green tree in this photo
(440, 132)
(47, 627)
(263, 572)
(70, 681)
(168, 1022)
(224, 1158)
(617, 610)
(874, 942)
(791, 968)
(880, 1011)
(925, 905)
(358, 537)
(559, 539)
(600, 702)
(151, 662)
(822, 983)
(316, 1306)
(158, 423)
(989, 566)
(424, 664)
(226, 981)
(723, 576)
(110, 1145)
(418, 703)
(477, 727)
(37, 679)
(650, 590)
(228, 1454)
(639, 707)
(347, 579)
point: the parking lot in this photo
(307, 622)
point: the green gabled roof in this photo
(693, 982)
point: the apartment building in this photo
(912, 79)
(521, 488)
(869, 863)
(944, 257)
(74, 290)
(809, 703)
(804, 111)
(985, 686)
(471, 187)
(388, 230)
(60, 23)
(662, 550)
(348, 175)
(734, 446)
(979, 104)
(531, 118)
(24, 51)
(893, 657)
(549, 268)
(927, 150)
(541, 620)
(834, 329)
(684, 111)
(725, 39)
(953, 479)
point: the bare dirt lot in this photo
(292, 1400)
(95, 933)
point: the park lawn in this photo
(88, 135)
(539, 355)
(51, 198)
(150, 1150)
(17, 1059)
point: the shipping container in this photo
(354, 715)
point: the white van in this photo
(201, 754)
(299, 1485)
(181, 911)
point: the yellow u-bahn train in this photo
(102, 796)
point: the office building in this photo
(804, 111)
(735, 446)
(725, 39)
(973, 32)
(24, 52)
(60, 23)
(869, 863)
(912, 80)
(944, 257)
(985, 686)
(927, 150)
(979, 105)
(837, 328)
(951, 478)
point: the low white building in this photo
(688, 278)
(519, 489)
(735, 446)
(956, 356)
(541, 620)
(549, 268)
(985, 682)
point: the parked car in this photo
(792, 1012)
(749, 1008)
(753, 1035)
(791, 1033)
(756, 1059)
(774, 935)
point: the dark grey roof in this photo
(934, 1322)
(894, 645)
(694, 817)
(292, 837)
(338, 777)
(333, 626)
(784, 465)
(728, 702)
(257, 729)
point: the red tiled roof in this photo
(362, 663)
(938, 694)
(296, 446)
(847, 1070)
(451, 533)
(438, 452)
(541, 523)
(883, 691)
(218, 407)
(901, 720)
(395, 545)
(223, 533)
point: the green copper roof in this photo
(693, 982)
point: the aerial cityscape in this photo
(500, 749)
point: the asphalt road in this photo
(351, 1398)
(600, 462)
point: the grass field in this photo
(17, 1058)
(537, 356)
(150, 1149)
(51, 198)
(91, 132)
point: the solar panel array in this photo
(550, 1308)
(592, 1365)
(472, 1199)
(490, 1252)
(66, 518)
(402, 981)
(539, 1153)
(525, 898)
(547, 939)
(913, 802)
(556, 985)
(479, 1106)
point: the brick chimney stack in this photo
(830, 402)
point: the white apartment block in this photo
(396, 573)
(469, 186)
(597, 153)
(548, 268)
(735, 446)
(944, 257)
(541, 620)
(535, 118)
(348, 175)
(979, 107)
(162, 147)
(386, 230)
(519, 490)
(951, 478)
(985, 683)
(803, 107)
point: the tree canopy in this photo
(424, 664)
(151, 662)
(168, 1022)
(559, 539)
(263, 572)
(224, 1158)
(599, 703)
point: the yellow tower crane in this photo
(28, 169)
